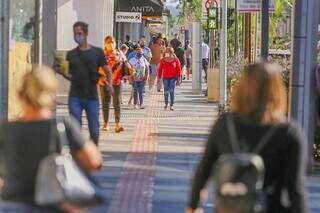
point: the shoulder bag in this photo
(60, 181)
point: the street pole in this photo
(223, 55)
(265, 29)
(196, 58)
(236, 39)
(247, 37)
(4, 57)
(302, 92)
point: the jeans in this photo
(169, 88)
(91, 107)
(106, 101)
(205, 66)
(138, 87)
(153, 75)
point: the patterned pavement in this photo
(148, 168)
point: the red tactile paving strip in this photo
(134, 190)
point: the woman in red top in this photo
(170, 71)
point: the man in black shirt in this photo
(175, 42)
(179, 51)
(84, 62)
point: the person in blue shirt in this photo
(141, 72)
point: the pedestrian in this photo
(175, 41)
(129, 44)
(166, 42)
(170, 71)
(157, 50)
(124, 50)
(123, 57)
(140, 76)
(120, 68)
(179, 52)
(84, 63)
(258, 107)
(188, 51)
(146, 50)
(26, 141)
(205, 59)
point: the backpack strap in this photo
(232, 133)
(234, 138)
(265, 139)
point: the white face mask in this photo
(167, 55)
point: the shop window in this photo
(22, 20)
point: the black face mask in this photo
(142, 45)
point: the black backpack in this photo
(239, 176)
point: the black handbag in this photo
(61, 181)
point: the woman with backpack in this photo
(255, 156)
(170, 71)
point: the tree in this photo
(190, 8)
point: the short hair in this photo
(124, 47)
(39, 87)
(84, 26)
(137, 46)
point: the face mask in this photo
(139, 55)
(167, 55)
(79, 39)
(109, 47)
(142, 45)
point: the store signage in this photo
(148, 8)
(248, 6)
(128, 17)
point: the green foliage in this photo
(316, 146)
(190, 7)
(283, 8)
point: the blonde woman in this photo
(25, 142)
(258, 103)
(170, 71)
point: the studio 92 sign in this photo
(128, 17)
(248, 6)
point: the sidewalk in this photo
(149, 167)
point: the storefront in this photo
(27, 38)
(4, 51)
(150, 9)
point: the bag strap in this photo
(265, 139)
(53, 138)
(82, 60)
(234, 138)
(232, 134)
(62, 136)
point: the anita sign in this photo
(145, 7)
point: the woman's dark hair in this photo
(82, 25)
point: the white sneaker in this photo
(171, 108)
(136, 107)
(141, 107)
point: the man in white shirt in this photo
(205, 58)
